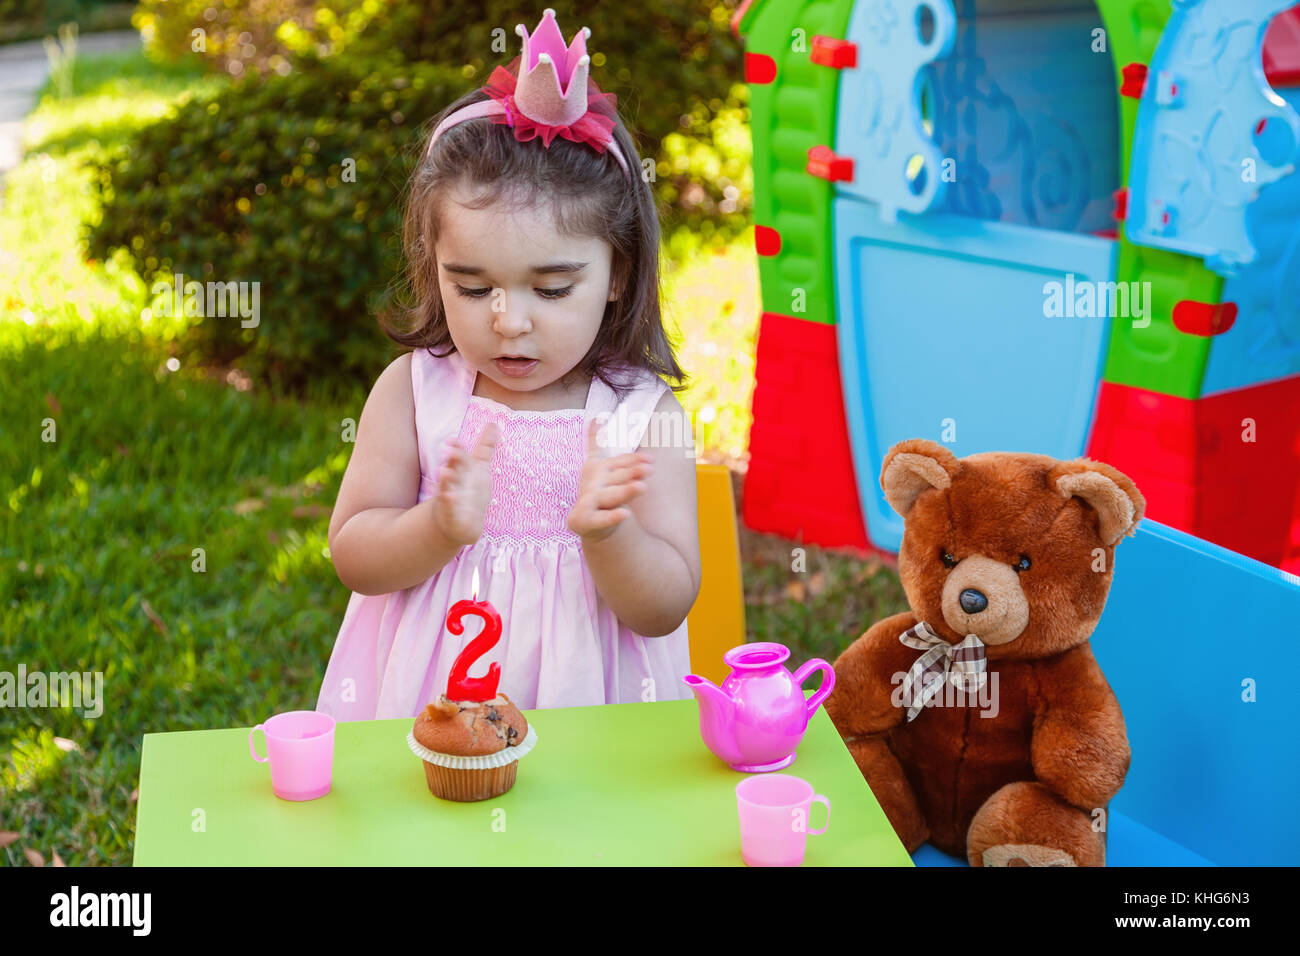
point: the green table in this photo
(619, 784)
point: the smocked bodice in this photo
(561, 644)
(535, 471)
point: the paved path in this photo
(23, 67)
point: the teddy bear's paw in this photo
(1026, 854)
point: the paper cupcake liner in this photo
(469, 786)
(501, 758)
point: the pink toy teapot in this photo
(757, 718)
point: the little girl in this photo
(533, 255)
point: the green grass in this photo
(45, 278)
(98, 566)
(98, 528)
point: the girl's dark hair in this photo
(589, 195)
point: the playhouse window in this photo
(1026, 106)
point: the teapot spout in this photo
(717, 718)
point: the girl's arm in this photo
(648, 568)
(380, 540)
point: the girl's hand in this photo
(465, 488)
(604, 485)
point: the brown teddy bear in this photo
(981, 719)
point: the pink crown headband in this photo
(541, 102)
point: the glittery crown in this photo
(552, 95)
(552, 87)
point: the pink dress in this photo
(561, 644)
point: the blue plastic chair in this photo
(1188, 630)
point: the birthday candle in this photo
(460, 686)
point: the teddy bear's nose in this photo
(972, 601)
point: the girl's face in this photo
(513, 286)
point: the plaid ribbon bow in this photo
(962, 665)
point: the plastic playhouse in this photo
(1068, 228)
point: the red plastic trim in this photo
(801, 483)
(824, 164)
(1135, 80)
(1204, 318)
(767, 241)
(835, 53)
(1120, 211)
(1198, 469)
(759, 68)
(1282, 49)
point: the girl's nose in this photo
(513, 319)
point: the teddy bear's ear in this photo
(914, 466)
(1108, 491)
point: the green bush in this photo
(674, 66)
(659, 58)
(21, 10)
(293, 182)
(28, 19)
(49, 12)
(252, 36)
(249, 187)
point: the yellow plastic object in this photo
(716, 623)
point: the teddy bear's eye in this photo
(948, 560)
(1022, 564)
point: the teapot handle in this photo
(828, 682)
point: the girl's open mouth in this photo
(516, 367)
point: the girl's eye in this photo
(545, 293)
(948, 560)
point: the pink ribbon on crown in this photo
(591, 127)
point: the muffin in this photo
(470, 748)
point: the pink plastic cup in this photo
(774, 818)
(300, 747)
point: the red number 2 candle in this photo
(460, 686)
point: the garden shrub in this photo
(29, 19)
(673, 64)
(255, 36)
(294, 182)
(250, 185)
(659, 59)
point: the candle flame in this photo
(474, 597)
